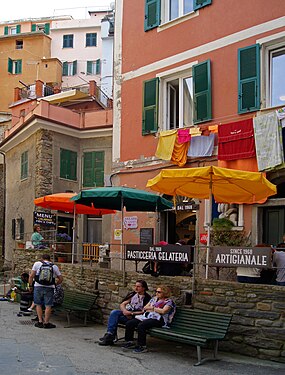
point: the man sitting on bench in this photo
(131, 306)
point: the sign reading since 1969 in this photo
(168, 253)
(226, 256)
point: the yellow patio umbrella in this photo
(225, 185)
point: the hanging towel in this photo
(179, 155)
(166, 144)
(281, 113)
(201, 146)
(183, 135)
(268, 141)
(236, 140)
(195, 132)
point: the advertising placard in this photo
(44, 218)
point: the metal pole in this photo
(209, 225)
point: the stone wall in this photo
(258, 325)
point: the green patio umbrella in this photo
(120, 197)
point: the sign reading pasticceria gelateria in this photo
(226, 256)
(167, 253)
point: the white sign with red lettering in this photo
(130, 222)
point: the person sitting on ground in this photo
(37, 239)
(131, 305)
(45, 274)
(157, 313)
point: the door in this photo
(273, 221)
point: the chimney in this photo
(39, 88)
(17, 94)
(92, 88)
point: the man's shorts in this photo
(43, 295)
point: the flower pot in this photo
(20, 245)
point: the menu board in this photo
(146, 236)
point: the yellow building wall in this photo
(36, 64)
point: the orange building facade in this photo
(200, 66)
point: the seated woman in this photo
(37, 238)
(158, 313)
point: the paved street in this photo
(25, 349)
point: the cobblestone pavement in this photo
(25, 349)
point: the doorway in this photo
(273, 225)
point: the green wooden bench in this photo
(77, 302)
(195, 327)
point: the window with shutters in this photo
(12, 30)
(69, 68)
(24, 165)
(178, 103)
(68, 164)
(93, 169)
(175, 9)
(67, 41)
(94, 67)
(91, 39)
(45, 27)
(14, 66)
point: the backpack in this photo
(45, 275)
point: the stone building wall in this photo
(258, 324)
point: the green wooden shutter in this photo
(24, 165)
(65, 68)
(150, 106)
(152, 14)
(74, 70)
(93, 169)
(63, 163)
(18, 29)
(47, 26)
(10, 65)
(197, 4)
(13, 229)
(73, 165)
(21, 228)
(88, 168)
(34, 27)
(202, 92)
(6, 30)
(68, 164)
(89, 67)
(99, 168)
(249, 78)
(98, 66)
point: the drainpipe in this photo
(4, 203)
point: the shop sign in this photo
(168, 253)
(130, 222)
(187, 207)
(44, 218)
(226, 256)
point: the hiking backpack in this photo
(45, 275)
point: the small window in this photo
(69, 68)
(94, 67)
(68, 41)
(91, 39)
(277, 77)
(24, 165)
(19, 44)
(68, 164)
(177, 8)
(14, 66)
(93, 169)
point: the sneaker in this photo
(39, 325)
(129, 345)
(29, 309)
(49, 325)
(108, 340)
(104, 337)
(140, 349)
(36, 319)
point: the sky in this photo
(18, 9)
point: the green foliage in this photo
(222, 234)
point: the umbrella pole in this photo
(209, 225)
(74, 233)
(123, 261)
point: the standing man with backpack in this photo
(44, 272)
